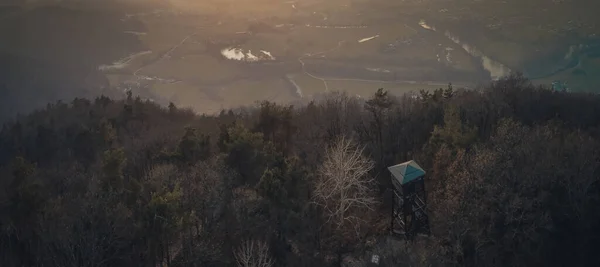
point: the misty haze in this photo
(209, 55)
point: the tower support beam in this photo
(409, 206)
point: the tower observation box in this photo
(409, 211)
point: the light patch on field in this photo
(424, 25)
(251, 57)
(233, 53)
(367, 39)
(239, 55)
(268, 54)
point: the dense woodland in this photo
(513, 176)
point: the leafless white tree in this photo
(344, 187)
(253, 253)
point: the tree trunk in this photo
(340, 254)
(161, 256)
(168, 250)
(380, 137)
(190, 252)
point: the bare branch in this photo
(344, 186)
(253, 254)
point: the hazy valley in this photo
(210, 55)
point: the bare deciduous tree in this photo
(253, 254)
(344, 187)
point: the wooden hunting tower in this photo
(409, 212)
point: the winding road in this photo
(314, 54)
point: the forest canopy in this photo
(512, 179)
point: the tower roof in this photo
(406, 172)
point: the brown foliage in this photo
(512, 178)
